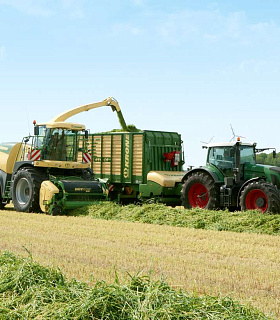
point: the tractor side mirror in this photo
(36, 130)
(86, 134)
(274, 154)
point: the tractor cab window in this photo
(222, 157)
(247, 155)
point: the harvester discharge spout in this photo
(110, 101)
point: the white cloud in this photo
(259, 66)
(45, 8)
(30, 7)
(262, 67)
(126, 28)
(74, 8)
(213, 25)
(138, 2)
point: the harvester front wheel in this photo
(25, 190)
(199, 190)
(260, 195)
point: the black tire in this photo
(260, 195)
(2, 205)
(56, 211)
(199, 190)
(85, 174)
(26, 189)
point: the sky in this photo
(193, 67)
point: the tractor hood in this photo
(275, 169)
(270, 173)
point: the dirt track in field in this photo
(245, 266)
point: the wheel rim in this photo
(198, 195)
(23, 191)
(256, 199)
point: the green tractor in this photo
(232, 179)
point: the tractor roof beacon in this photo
(232, 179)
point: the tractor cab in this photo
(232, 179)
(229, 157)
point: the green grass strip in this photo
(249, 221)
(30, 291)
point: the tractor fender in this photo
(244, 185)
(204, 170)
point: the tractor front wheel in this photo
(25, 190)
(199, 190)
(261, 196)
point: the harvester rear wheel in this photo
(260, 195)
(199, 190)
(25, 190)
(2, 205)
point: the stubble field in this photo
(242, 265)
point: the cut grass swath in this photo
(29, 291)
(250, 221)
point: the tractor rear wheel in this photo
(199, 190)
(261, 196)
(25, 190)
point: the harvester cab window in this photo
(61, 145)
(39, 139)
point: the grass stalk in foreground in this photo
(28, 291)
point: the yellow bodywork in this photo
(58, 121)
(61, 164)
(47, 191)
(7, 160)
(64, 125)
(166, 179)
(106, 102)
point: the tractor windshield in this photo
(247, 155)
(225, 157)
(222, 157)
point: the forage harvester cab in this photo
(43, 172)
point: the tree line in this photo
(267, 158)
